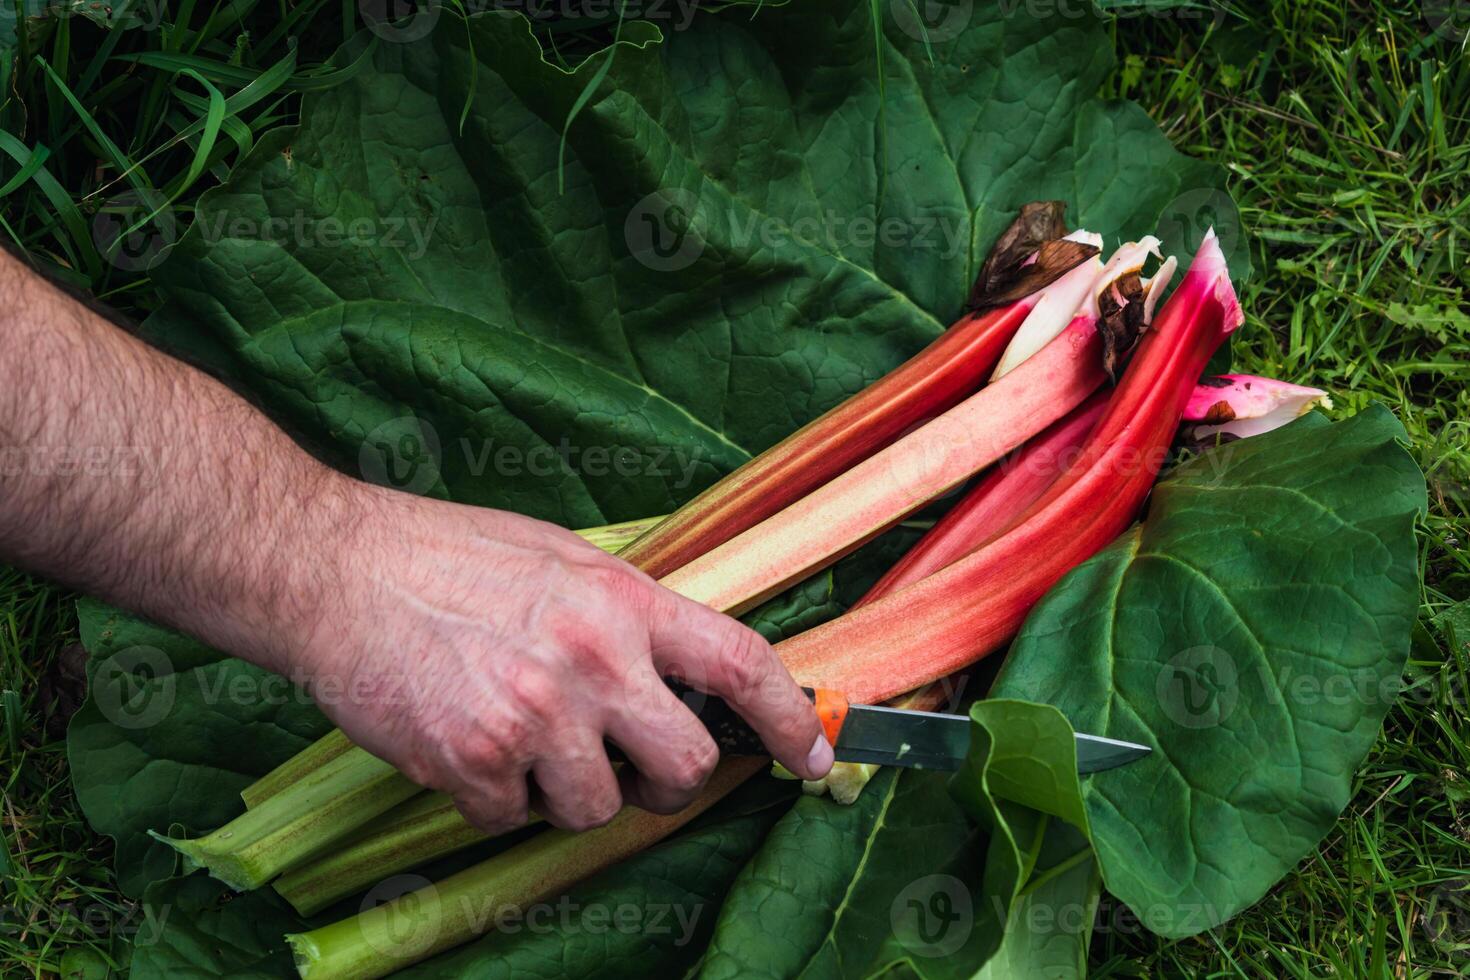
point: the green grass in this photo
(1348, 139)
(1345, 127)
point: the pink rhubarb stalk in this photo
(972, 607)
(998, 499)
(931, 382)
(869, 497)
(1243, 405)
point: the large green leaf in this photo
(836, 890)
(1253, 631)
(1049, 922)
(170, 734)
(750, 222)
(719, 268)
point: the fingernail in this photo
(819, 759)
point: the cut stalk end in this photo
(217, 853)
(305, 953)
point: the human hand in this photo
(479, 647)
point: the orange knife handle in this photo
(831, 711)
(729, 729)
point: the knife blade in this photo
(888, 736)
(932, 740)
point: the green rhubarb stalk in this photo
(425, 828)
(303, 763)
(439, 916)
(613, 538)
(289, 827)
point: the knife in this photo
(887, 736)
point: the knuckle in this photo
(620, 584)
(492, 814)
(418, 771)
(497, 746)
(485, 753)
(692, 767)
(533, 691)
(746, 660)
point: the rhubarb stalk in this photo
(427, 827)
(905, 639)
(850, 510)
(1000, 497)
(287, 828)
(968, 609)
(613, 538)
(419, 924)
(1242, 405)
(300, 765)
(1028, 257)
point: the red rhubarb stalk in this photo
(967, 610)
(931, 382)
(998, 499)
(869, 497)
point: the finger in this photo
(494, 805)
(714, 653)
(672, 754)
(576, 788)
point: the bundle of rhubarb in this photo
(1061, 391)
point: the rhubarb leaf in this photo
(195, 926)
(842, 891)
(1252, 631)
(170, 734)
(419, 303)
(1049, 925)
(1020, 783)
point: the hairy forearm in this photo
(134, 477)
